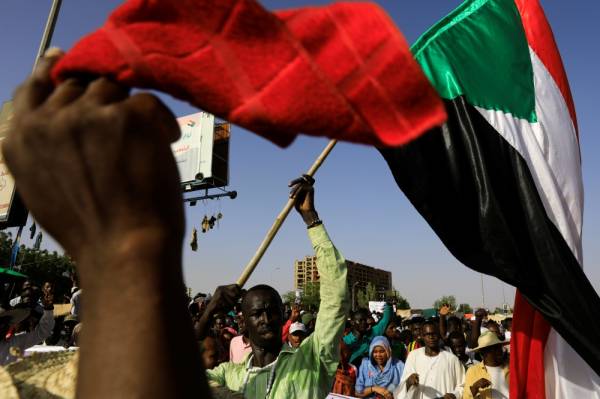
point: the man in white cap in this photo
(488, 379)
(297, 334)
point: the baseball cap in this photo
(295, 327)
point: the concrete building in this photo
(359, 275)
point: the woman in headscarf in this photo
(380, 373)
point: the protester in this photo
(240, 345)
(507, 324)
(298, 333)
(495, 328)
(393, 335)
(430, 372)
(415, 325)
(309, 320)
(31, 331)
(476, 327)
(458, 345)
(210, 352)
(346, 373)
(16, 300)
(359, 339)
(380, 373)
(488, 379)
(448, 323)
(293, 318)
(272, 370)
(66, 333)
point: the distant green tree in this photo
(446, 299)
(368, 294)
(311, 297)
(371, 292)
(394, 296)
(465, 308)
(289, 297)
(39, 266)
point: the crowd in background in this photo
(373, 350)
(375, 346)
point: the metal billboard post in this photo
(48, 30)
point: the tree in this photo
(394, 296)
(465, 308)
(446, 299)
(39, 266)
(311, 296)
(368, 294)
(289, 297)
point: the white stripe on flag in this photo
(551, 150)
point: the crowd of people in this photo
(28, 320)
(381, 355)
(93, 165)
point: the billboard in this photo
(12, 210)
(194, 150)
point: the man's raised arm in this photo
(334, 305)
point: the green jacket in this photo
(309, 371)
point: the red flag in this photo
(343, 70)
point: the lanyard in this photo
(270, 381)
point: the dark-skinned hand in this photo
(225, 297)
(302, 192)
(413, 380)
(481, 383)
(295, 314)
(480, 314)
(83, 152)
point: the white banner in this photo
(376, 306)
(193, 151)
(7, 183)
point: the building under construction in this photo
(359, 275)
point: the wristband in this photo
(314, 223)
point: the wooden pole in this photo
(280, 219)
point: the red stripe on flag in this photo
(528, 340)
(541, 40)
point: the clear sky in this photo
(367, 216)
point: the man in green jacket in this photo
(271, 371)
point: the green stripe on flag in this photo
(480, 51)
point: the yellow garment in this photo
(474, 374)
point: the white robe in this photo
(438, 376)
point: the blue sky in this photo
(368, 218)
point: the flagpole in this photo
(264, 245)
(48, 30)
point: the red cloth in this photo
(344, 70)
(345, 380)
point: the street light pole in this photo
(353, 295)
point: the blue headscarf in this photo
(370, 375)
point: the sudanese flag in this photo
(500, 183)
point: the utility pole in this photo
(482, 293)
